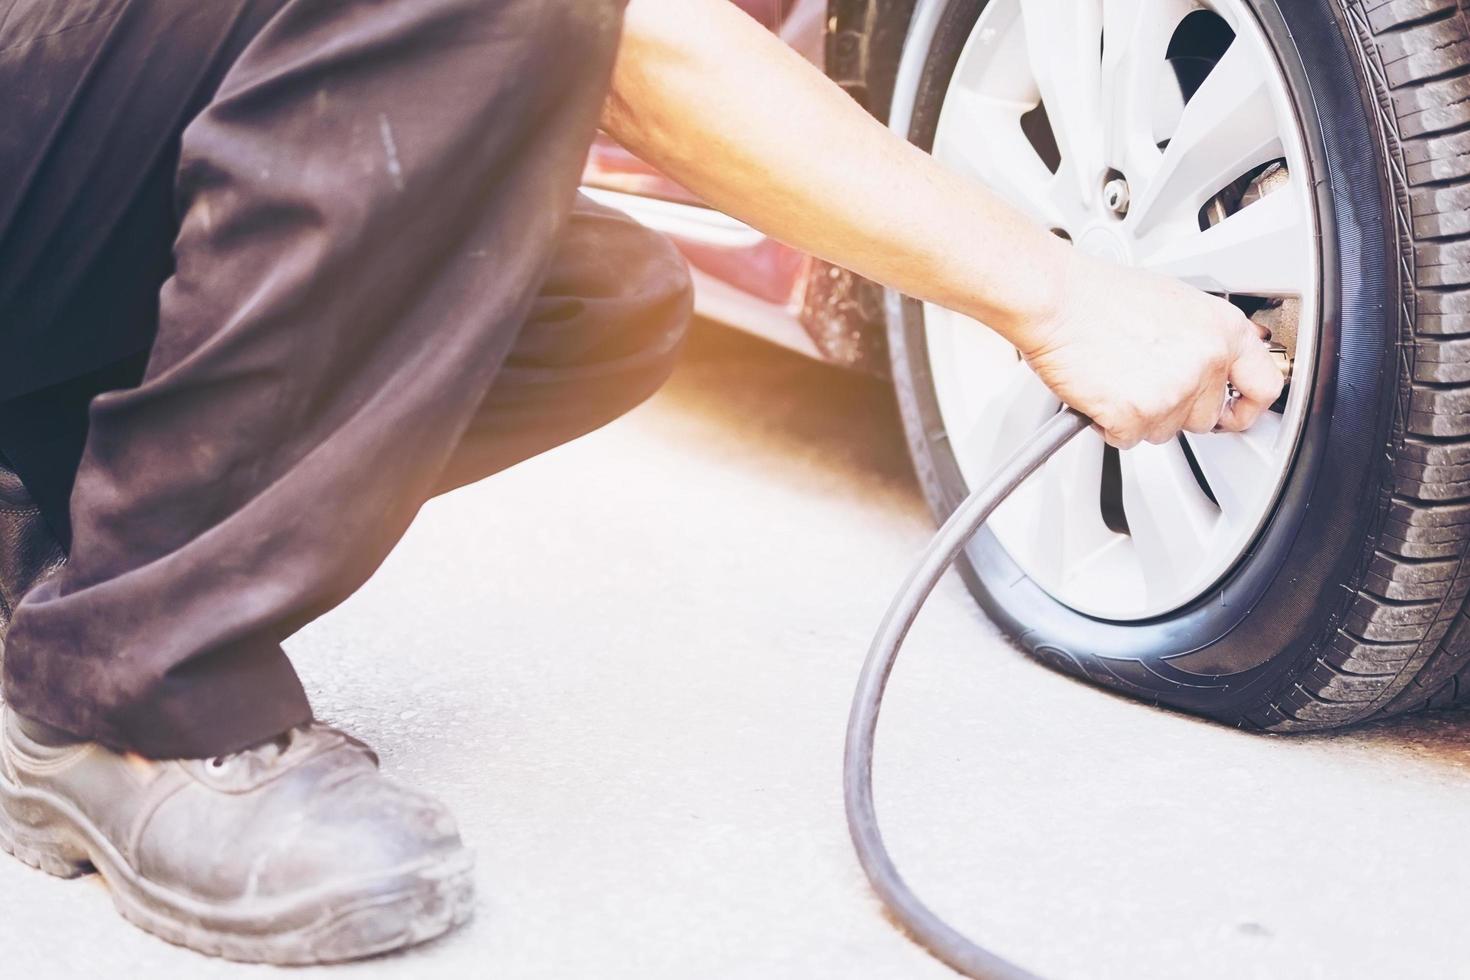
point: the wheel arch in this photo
(841, 311)
(865, 40)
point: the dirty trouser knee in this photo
(368, 209)
(603, 334)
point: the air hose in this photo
(926, 928)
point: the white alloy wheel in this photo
(1158, 133)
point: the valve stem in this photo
(1281, 357)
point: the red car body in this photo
(742, 277)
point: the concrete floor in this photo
(627, 665)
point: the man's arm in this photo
(714, 100)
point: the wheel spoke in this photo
(1167, 166)
(1136, 35)
(1265, 437)
(1238, 472)
(968, 361)
(1064, 43)
(1228, 128)
(990, 145)
(1018, 406)
(1169, 517)
(1071, 528)
(1260, 250)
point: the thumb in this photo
(1259, 382)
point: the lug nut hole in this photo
(1116, 195)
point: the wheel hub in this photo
(1105, 243)
(1156, 133)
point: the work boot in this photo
(296, 851)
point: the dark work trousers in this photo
(371, 280)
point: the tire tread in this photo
(1405, 642)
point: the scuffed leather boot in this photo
(296, 851)
(29, 552)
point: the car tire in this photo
(1349, 605)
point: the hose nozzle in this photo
(1281, 357)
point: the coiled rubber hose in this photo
(926, 928)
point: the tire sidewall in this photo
(1287, 595)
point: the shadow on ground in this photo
(1438, 738)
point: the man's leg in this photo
(603, 335)
(43, 432)
(370, 205)
(368, 209)
(93, 97)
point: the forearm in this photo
(712, 99)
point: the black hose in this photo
(926, 928)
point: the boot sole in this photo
(397, 908)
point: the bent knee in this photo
(615, 291)
(665, 290)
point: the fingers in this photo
(1123, 430)
(1203, 412)
(1112, 439)
(1151, 427)
(1170, 414)
(1167, 428)
(1118, 434)
(1259, 382)
(1207, 411)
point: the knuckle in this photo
(1237, 419)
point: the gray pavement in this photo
(627, 665)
